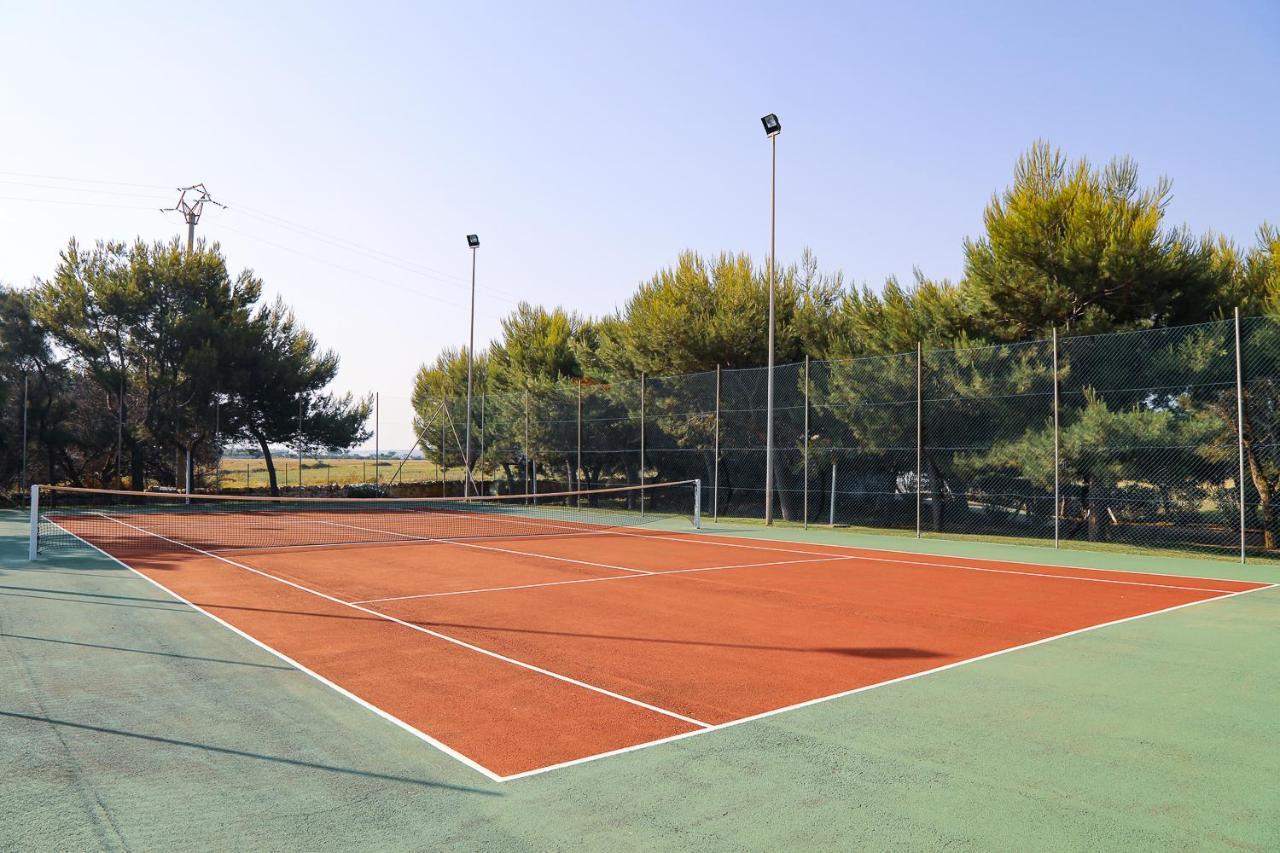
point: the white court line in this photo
(391, 718)
(816, 701)
(655, 573)
(485, 547)
(702, 537)
(929, 564)
(707, 728)
(376, 543)
(464, 644)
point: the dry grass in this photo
(252, 473)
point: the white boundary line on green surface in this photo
(704, 727)
(705, 534)
(391, 718)
(693, 537)
(819, 700)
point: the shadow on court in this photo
(872, 652)
(147, 652)
(276, 759)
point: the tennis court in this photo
(521, 635)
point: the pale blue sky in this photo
(589, 143)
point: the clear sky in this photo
(356, 144)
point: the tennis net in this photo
(132, 523)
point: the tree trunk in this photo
(270, 463)
(1270, 523)
(937, 505)
(1266, 494)
(137, 467)
(1095, 512)
(1266, 501)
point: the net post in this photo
(715, 474)
(1240, 431)
(806, 442)
(33, 546)
(697, 504)
(1057, 460)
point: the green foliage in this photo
(1085, 250)
(700, 314)
(167, 347)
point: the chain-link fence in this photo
(1167, 438)
(1132, 439)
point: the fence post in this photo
(377, 454)
(806, 442)
(300, 399)
(715, 475)
(25, 405)
(119, 439)
(33, 547)
(831, 521)
(580, 436)
(217, 443)
(527, 458)
(1057, 461)
(480, 459)
(642, 494)
(1240, 432)
(697, 504)
(919, 433)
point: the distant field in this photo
(252, 473)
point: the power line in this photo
(360, 273)
(76, 203)
(85, 180)
(154, 195)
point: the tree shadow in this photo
(164, 599)
(870, 652)
(147, 652)
(166, 607)
(240, 753)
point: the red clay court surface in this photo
(522, 654)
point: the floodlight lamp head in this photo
(473, 241)
(772, 127)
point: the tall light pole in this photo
(474, 242)
(772, 127)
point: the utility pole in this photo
(191, 209)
